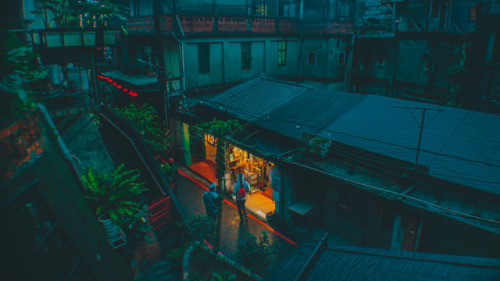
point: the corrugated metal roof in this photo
(356, 263)
(457, 145)
(255, 98)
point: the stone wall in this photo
(20, 143)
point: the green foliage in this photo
(96, 119)
(457, 75)
(176, 255)
(18, 64)
(198, 228)
(114, 194)
(256, 256)
(170, 171)
(145, 119)
(224, 276)
(55, 12)
(67, 14)
(221, 130)
(136, 226)
(18, 68)
(316, 145)
(98, 14)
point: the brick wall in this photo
(20, 143)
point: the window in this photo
(108, 53)
(381, 61)
(472, 14)
(261, 8)
(341, 57)
(246, 55)
(311, 57)
(282, 52)
(204, 58)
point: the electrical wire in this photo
(356, 157)
(351, 135)
(446, 210)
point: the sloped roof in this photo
(457, 145)
(357, 263)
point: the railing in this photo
(238, 24)
(53, 38)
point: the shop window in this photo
(282, 52)
(311, 57)
(204, 58)
(246, 55)
(341, 57)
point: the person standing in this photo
(211, 200)
(240, 189)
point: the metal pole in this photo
(420, 135)
(157, 10)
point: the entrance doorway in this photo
(262, 175)
(257, 172)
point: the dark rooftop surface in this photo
(356, 263)
(457, 145)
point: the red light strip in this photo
(234, 206)
(131, 93)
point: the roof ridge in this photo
(265, 76)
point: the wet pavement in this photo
(190, 192)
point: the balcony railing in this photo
(52, 38)
(193, 24)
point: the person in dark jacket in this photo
(211, 201)
(240, 190)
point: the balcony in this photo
(196, 24)
(51, 38)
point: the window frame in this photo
(282, 52)
(343, 58)
(309, 53)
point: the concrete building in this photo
(357, 166)
(408, 49)
(210, 45)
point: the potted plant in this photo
(19, 71)
(66, 18)
(146, 120)
(170, 171)
(114, 196)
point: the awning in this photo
(303, 207)
(136, 79)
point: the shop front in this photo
(263, 176)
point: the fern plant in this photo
(115, 195)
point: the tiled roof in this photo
(254, 99)
(457, 145)
(358, 263)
